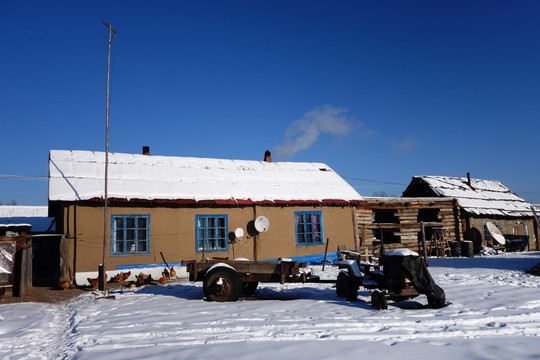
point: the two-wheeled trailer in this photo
(227, 280)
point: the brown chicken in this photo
(173, 272)
(162, 280)
(64, 284)
(93, 282)
(139, 280)
(166, 273)
(125, 276)
(119, 277)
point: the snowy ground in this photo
(493, 313)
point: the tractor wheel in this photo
(249, 288)
(345, 287)
(222, 284)
(378, 300)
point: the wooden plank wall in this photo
(406, 211)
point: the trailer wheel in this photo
(345, 287)
(378, 300)
(249, 288)
(222, 284)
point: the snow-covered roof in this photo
(23, 211)
(482, 197)
(79, 175)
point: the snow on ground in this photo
(493, 312)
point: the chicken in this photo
(148, 279)
(125, 276)
(173, 272)
(119, 277)
(162, 280)
(139, 280)
(166, 273)
(64, 284)
(93, 282)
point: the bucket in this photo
(467, 248)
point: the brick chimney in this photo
(146, 150)
(267, 156)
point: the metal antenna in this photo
(102, 271)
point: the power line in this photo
(24, 177)
(374, 181)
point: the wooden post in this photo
(424, 242)
(325, 252)
(536, 228)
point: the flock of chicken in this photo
(140, 279)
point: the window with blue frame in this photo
(130, 234)
(309, 228)
(211, 232)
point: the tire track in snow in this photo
(378, 330)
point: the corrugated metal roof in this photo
(79, 175)
(483, 197)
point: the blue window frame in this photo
(211, 233)
(130, 234)
(309, 228)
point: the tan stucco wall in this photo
(172, 232)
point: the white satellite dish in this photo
(261, 224)
(495, 233)
(239, 232)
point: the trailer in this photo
(227, 280)
(399, 275)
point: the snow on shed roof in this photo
(483, 197)
(79, 175)
(23, 211)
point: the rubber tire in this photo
(249, 288)
(378, 301)
(229, 289)
(345, 287)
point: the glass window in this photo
(309, 228)
(211, 233)
(130, 234)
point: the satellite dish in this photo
(261, 224)
(495, 233)
(239, 232)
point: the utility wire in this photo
(24, 177)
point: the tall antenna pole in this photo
(102, 272)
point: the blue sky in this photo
(378, 90)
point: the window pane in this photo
(141, 234)
(130, 246)
(119, 234)
(119, 222)
(141, 246)
(130, 234)
(130, 222)
(141, 223)
(119, 247)
(211, 222)
(202, 222)
(221, 222)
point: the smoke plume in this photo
(304, 132)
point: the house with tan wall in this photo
(167, 208)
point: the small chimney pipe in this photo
(267, 156)
(469, 179)
(146, 150)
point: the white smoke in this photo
(405, 146)
(304, 132)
